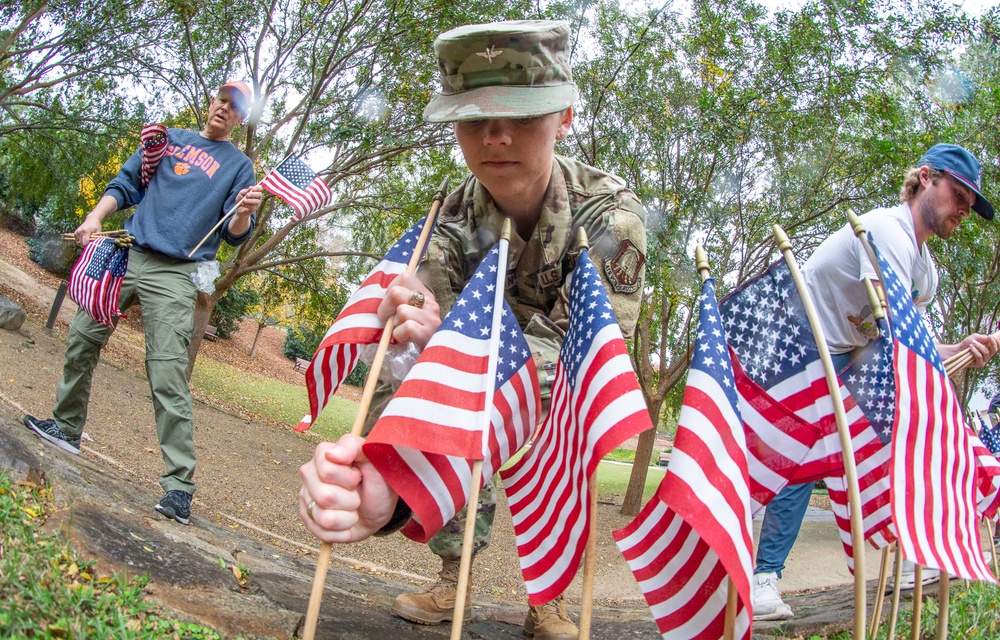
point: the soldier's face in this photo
(512, 157)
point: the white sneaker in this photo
(908, 577)
(765, 599)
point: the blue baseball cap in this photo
(960, 165)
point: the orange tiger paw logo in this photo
(181, 168)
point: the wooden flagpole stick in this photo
(468, 541)
(918, 601)
(991, 529)
(218, 224)
(943, 598)
(732, 595)
(322, 563)
(589, 562)
(897, 576)
(732, 599)
(847, 446)
(590, 553)
(472, 506)
(883, 575)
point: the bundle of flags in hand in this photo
(96, 280)
(154, 145)
(298, 185)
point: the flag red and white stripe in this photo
(596, 405)
(298, 185)
(695, 532)
(154, 145)
(472, 395)
(356, 325)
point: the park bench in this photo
(301, 365)
(211, 333)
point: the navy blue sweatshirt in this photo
(194, 185)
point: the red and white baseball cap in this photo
(241, 94)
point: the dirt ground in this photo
(252, 476)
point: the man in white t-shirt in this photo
(936, 196)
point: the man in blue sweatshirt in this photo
(201, 177)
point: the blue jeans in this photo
(783, 515)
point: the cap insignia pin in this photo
(490, 53)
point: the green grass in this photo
(277, 401)
(612, 479)
(47, 590)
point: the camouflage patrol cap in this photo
(516, 69)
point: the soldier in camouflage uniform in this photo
(508, 89)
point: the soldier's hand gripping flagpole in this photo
(847, 447)
(323, 562)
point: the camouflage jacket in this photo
(578, 195)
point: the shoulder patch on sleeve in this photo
(622, 269)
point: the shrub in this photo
(231, 309)
(301, 342)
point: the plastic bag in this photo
(204, 278)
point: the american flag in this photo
(987, 479)
(990, 436)
(472, 395)
(298, 185)
(696, 531)
(96, 280)
(596, 405)
(154, 144)
(784, 401)
(356, 325)
(933, 461)
(869, 392)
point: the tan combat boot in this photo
(436, 603)
(550, 622)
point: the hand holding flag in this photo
(96, 279)
(292, 181)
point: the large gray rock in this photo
(11, 315)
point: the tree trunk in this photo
(202, 312)
(256, 338)
(632, 503)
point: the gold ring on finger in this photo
(416, 299)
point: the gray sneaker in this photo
(176, 505)
(48, 430)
